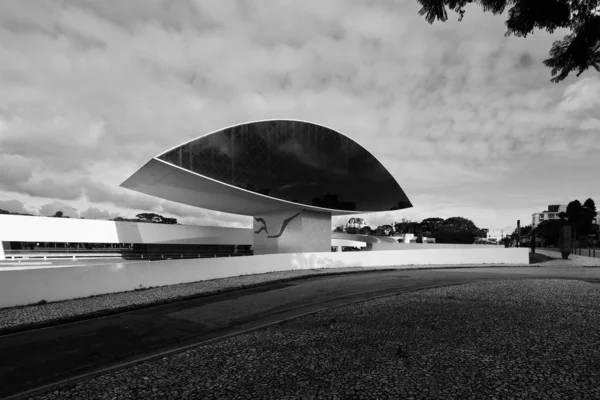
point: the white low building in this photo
(36, 235)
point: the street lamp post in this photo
(566, 241)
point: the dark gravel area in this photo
(526, 339)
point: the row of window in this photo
(156, 250)
(49, 246)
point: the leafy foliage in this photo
(155, 218)
(549, 231)
(12, 213)
(576, 52)
(450, 234)
(525, 230)
(366, 230)
(384, 230)
(431, 224)
(581, 216)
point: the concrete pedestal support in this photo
(297, 231)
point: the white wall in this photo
(347, 243)
(18, 228)
(316, 231)
(421, 246)
(307, 231)
(19, 287)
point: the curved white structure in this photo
(291, 175)
(170, 182)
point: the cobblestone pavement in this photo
(525, 339)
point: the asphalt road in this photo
(34, 358)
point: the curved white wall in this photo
(423, 246)
(30, 285)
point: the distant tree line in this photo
(451, 230)
(150, 218)
(143, 217)
(12, 213)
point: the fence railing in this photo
(579, 251)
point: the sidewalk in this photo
(584, 251)
(573, 260)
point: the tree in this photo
(549, 231)
(384, 230)
(461, 224)
(407, 227)
(450, 234)
(481, 233)
(588, 214)
(365, 230)
(431, 224)
(59, 214)
(525, 230)
(149, 217)
(3, 211)
(563, 216)
(577, 51)
(155, 218)
(576, 217)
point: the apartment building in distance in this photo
(552, 213)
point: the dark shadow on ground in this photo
(539, 258)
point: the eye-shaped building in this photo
(290, 175)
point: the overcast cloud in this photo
(465, 119)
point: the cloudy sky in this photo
(464, 118)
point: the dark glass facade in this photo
(294, 161)
(147, 251)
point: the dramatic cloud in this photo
(15, 206)
(15, 169)
(51, 209)
(464, 118)
(95, 213)
(197, 216)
